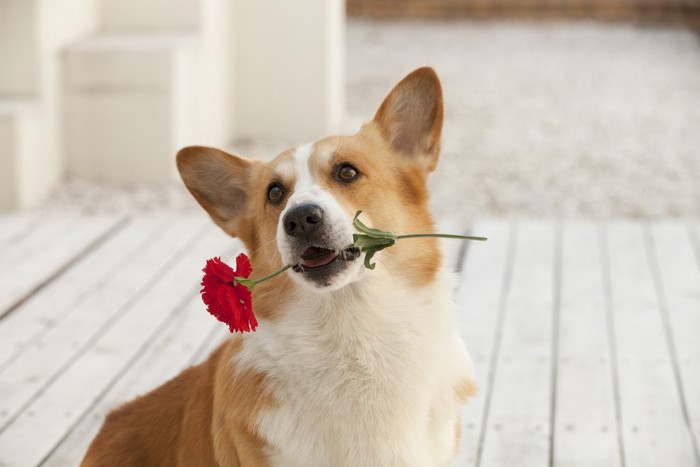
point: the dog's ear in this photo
(410, 118)
(218, 181)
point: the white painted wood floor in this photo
(585, 337)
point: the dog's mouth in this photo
(316, 258)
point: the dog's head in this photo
(298, 208)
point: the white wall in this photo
(18, 48)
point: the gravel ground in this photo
(548, 120)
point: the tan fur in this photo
(458, 435)
(206, 415)
(177, 424)
(466, 389)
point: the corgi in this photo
(349, 366)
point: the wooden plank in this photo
(75, 390)
(172, 350)
(15, 226)
(49, 354)
(653, 429)
(185, 334)
(585, 427)
(34, 240)
(517, 428)
(56, 301)
(479, 300)
(677, 274)
(214, 339)
(33, 263)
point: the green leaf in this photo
(370, 246)
(247, 283)
(368, 257)
(369, 231)
(365, 242)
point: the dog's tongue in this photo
(314, 257)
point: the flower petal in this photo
(243, 267)
(219, 270)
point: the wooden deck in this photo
(585, 337)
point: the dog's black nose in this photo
(303, 219)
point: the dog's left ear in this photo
(410, 118)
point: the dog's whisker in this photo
(393, 277)
(273, 239)
(263, 165)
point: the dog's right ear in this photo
(218, 181)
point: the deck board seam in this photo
(101, 283)
(694, 241)
(463, 254)
(14, 238)
(202, 348)
(606, 277)
(118, 225)
(557, 271)
(669, 337)
(498, 335)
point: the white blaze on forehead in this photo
(302, 157)
(306, 187)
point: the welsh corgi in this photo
(349, 366)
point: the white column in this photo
(19, 47)
(32, 36)
(288, 68)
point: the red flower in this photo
(227, 299)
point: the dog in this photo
(349, 366)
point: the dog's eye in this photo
(275, 193)
(346, 173)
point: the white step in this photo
(130, 104)
(212, 21)
(23, 178)
(268, 68)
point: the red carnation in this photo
(226, 297)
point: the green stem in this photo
(250, 283)
(458, 237)
(270, 276)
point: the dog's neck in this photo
(357, 363)
(375, 309)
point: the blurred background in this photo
(554, 108)
(584, 334)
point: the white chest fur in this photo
(365, 378)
